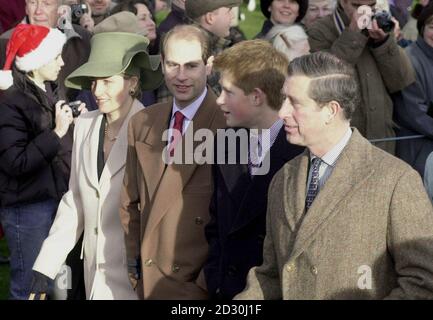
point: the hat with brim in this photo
(114, 53)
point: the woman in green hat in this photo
(119, 67)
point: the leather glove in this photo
(39, 287)
(134, 271)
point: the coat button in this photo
(198, 221)
(97, 194)
(314, 270)
(96, 230)
(175, 268)
(148, 263)
(290, 267)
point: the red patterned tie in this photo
(176, 133)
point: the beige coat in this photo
(92, 205)
(371, 221)
(166, 207)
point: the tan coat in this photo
(381, 71)
(372, 218)
(92, 204)
(166, 207)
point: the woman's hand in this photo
(87, 22)
(397, 30)
(82, 108)
(63, 118)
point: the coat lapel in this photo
(176, 176)
(253, 202)
(295, 176)
(90, 151)
(352, 168)
(117, 158)
(235, 175)
(150, 147)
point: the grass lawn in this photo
(250, 26)
(253, 21)
(4, 272)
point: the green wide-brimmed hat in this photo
(114, 53)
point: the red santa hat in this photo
(31, 47)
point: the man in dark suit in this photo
(252, 76)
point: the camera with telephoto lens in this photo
(384, 21)
(77, 11)
(74, 107)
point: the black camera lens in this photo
(77, 11)
(74, 107)
(384, 21)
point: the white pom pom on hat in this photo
(6, 79)
(31, 47)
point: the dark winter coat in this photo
(414, 108)
(34, 161)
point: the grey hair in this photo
(333, 3)
(332, 79)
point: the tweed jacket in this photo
(164, 207)
(367, 235)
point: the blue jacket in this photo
(412, 106)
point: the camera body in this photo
(74, 107)
(77, 11)
(383, 19)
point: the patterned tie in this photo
(176, 133)
(313, 187)
(255, 151)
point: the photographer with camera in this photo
(35, 146)
(81, 14)
(367, 40)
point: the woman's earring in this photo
(131, 92)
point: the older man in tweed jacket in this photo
(345, 219)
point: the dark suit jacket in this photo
(238, 220)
